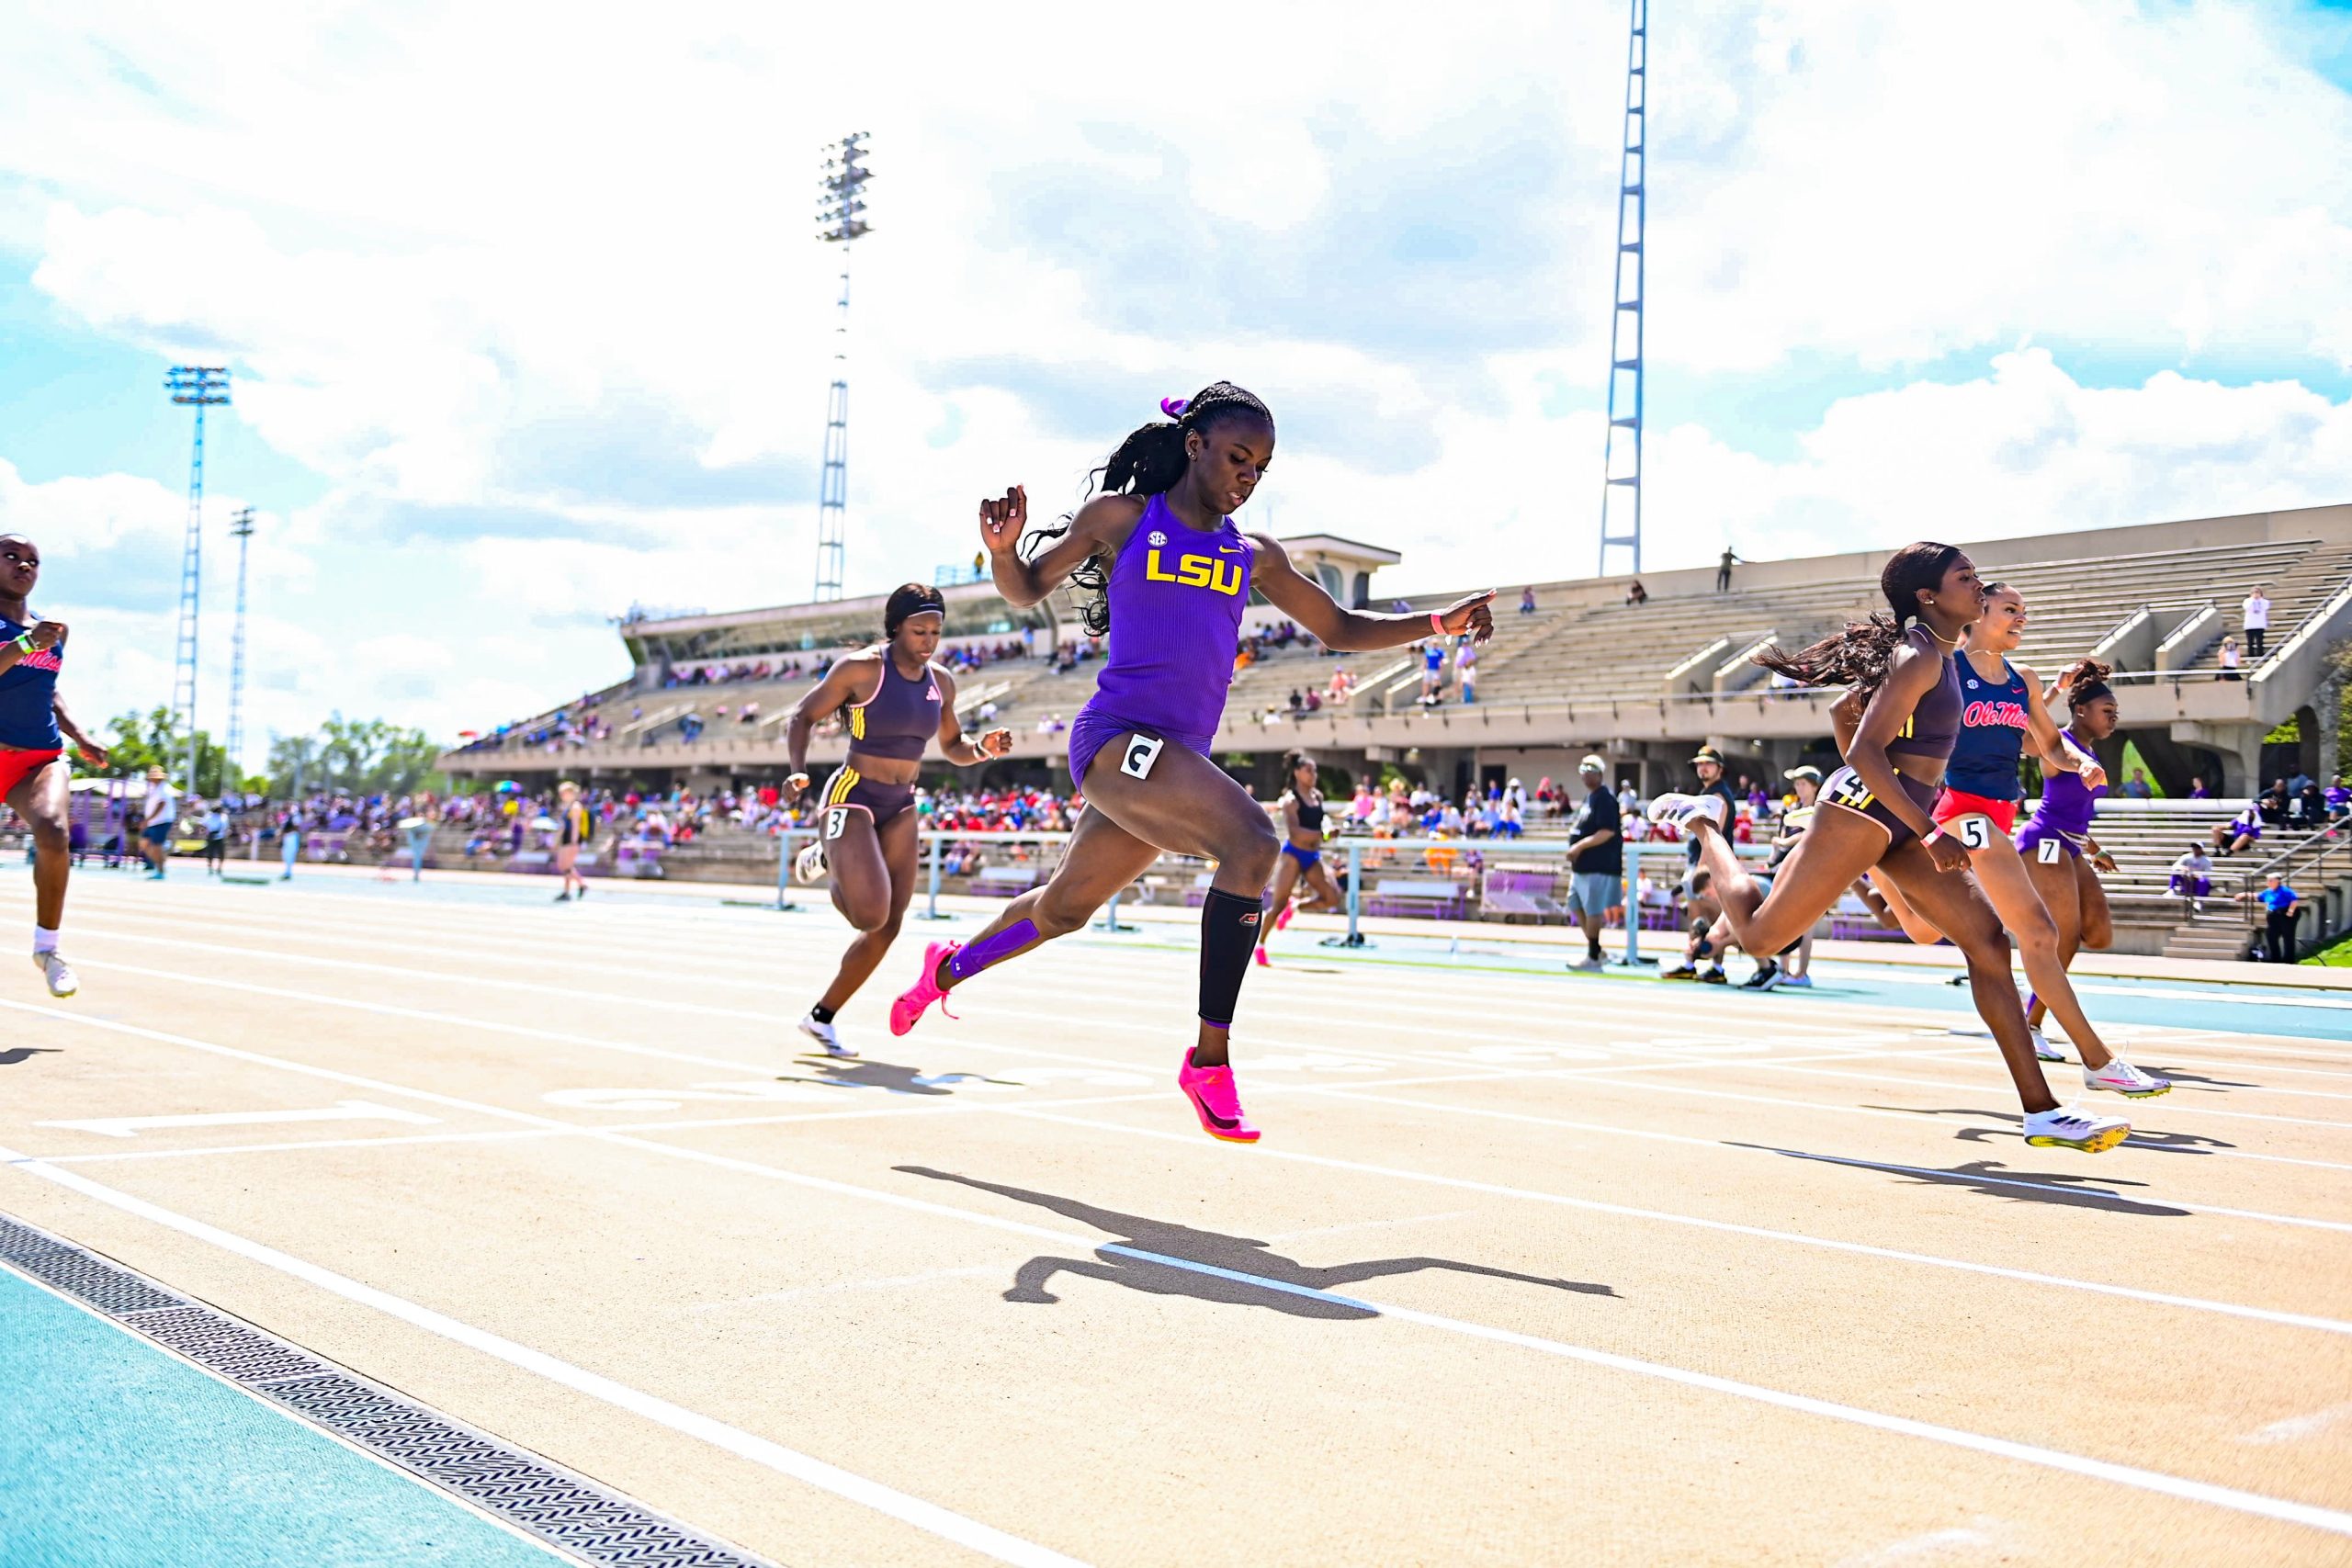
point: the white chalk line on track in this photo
(902, 1506)
(996, 1543)
(463, 1022)
(551, 1127)
(576, 995)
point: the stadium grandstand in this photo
(1585, 670)
(1640, 673)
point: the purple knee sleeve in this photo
(972, 958)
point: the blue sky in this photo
(527, 323)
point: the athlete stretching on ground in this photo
(1302, 860)
(34, 728)
(1874, 811)
(2003, 706)
(1176, 575)
(867, 833)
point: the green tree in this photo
(356, 756)
(137, 741)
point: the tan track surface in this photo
(1554, 1262)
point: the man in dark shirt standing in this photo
(1596, 857)
(1709, 763)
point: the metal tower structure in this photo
(841, 204)
(242, 530)
(1620, 461)
(201, 387)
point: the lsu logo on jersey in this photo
(1195, 572)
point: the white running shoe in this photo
(2121, 1077)
(808, 866)
(2045, 1051)
(1801, 982)
(822, 1034)
(2066, 1127)
(1683, 809)
(63, 981)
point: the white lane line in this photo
(342, 1110)
(1727, 1227)
(1993, 1065)
(1011, 1549)
(908, 1509)
(461, 1021)
(2293, 1320)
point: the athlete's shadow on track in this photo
(1995, 1180)
(1124, 1263)
(16, 1053)
(865, 1072)
(2141, 1139)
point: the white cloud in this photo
(533, 288)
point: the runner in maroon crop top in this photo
(897, 700)
(1875, 812)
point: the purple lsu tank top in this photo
(2066, 802)
(901, 716)
(1933, 728)
(1177, 596)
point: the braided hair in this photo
(2086, 682)
(1148, 462)
(1861, 655)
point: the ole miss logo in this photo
(44, 658)
(1195, 572)
(1994, 716)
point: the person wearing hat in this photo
(1709, 763)
(1789, 966)
(157, 815)
(1596, 857)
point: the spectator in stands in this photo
(2137, 787)
(2197, 790)
(2239, 831)
(1636, 593)
(1313, 700)
(1722, 569)
(2192, 878)
(1466, 669)
(2230, 659)
(1596, 857)
(1297, 702)
(2255, 613)
(2339, 798)
(2272, 802)
(2311, 805)
(2281, 911)
(1432, 669)
(1527, 600)
(2297, 780)
(1629, 799)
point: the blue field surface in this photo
(115, 1454)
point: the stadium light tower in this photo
(1621, 460)
(242, 530)
(840, 205)
(201, 387)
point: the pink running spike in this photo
(924, 991)
(1215, 1102)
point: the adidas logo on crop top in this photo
(29, 693)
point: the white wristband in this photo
(1932, 834)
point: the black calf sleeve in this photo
(1228, 932)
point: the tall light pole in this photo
(840, 204)
(242, 530)
(1620, 458)
(200, 387)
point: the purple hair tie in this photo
(1174, 407)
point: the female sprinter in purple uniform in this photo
(34, 728)
(2004, 706)
(1176, 575)
(1302, 859)
(2060, 854)
(898, 700)
(1875, 812)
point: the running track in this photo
(1530, 1266)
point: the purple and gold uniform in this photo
(899, 720)
(1928, 735)
(1176, 597)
